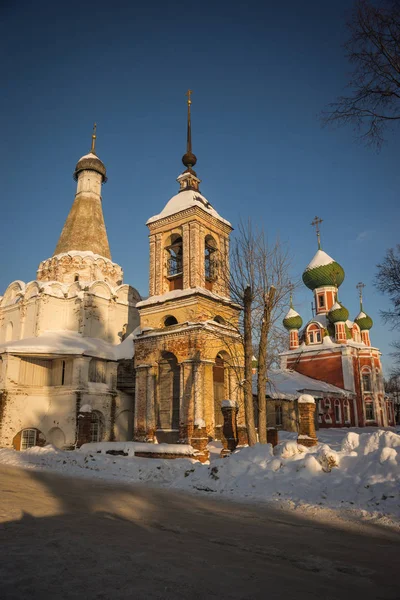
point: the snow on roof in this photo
(179, 294)
(90, 155)
(70, 342)
(288, 384)
(361, 315)
(320, 258)
(336, 306)
(291, 313)
(184, 200)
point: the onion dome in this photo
(292, 320)
(90, 162)
(323, 270)
(363, 321)
(338, 313)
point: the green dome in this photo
(292, 320)
(323, 270)
(338, 313)
(363, 321)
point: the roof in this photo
(289, 385)
(184, 200)
(70, 342)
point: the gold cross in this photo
(316, 223)
(188, 94)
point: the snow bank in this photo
(130, 448)
(348, 470)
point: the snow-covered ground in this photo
(356, 472)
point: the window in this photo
(76, 278)
(96, 427)
(278, 415)
(98, 371)
(321, 301)
(28, 438)
(366, 381)
(369, 411)
(209, 258)
(338, 412)
(170, 321)
(175, 264)
(219, 319)
(346, 408)
(314, 337)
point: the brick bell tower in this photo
(187, 355)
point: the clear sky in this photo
(261, 73)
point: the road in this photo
(63, 538)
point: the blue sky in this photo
(261, 73)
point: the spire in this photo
(360, 286)
(189, 159)
(316, 223)
(93, 148)
(84, 229)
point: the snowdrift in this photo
(362, 473)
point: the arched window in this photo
(356, 333)
(28, 438)
(96, 426)
(366, 380)
(170, 321)
(338, 412)
(346, 410)
(210, 248)
(174, 251)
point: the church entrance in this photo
(219, 394)
(167, 405)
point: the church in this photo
(334, 349)
(83, 358)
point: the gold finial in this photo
(360, 286)
(316, 223)
(93, 148)
(189, 124)
(188, 94)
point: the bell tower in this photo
(189, 320)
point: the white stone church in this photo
(66, 370)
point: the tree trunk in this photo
(248, 374)
(262, 366)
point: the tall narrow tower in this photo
(83, 252)
(188, 351)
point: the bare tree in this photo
(373, 103)
(259, 283)
(388, 282)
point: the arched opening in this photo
(167, 401)
(369, 410)
(170, 320)
(366, 380)
(56, 437)
(219, 394)
(210, 263)
(219, 319)
(175, 262)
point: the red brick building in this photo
(334, 349)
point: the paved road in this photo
(68, 538)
